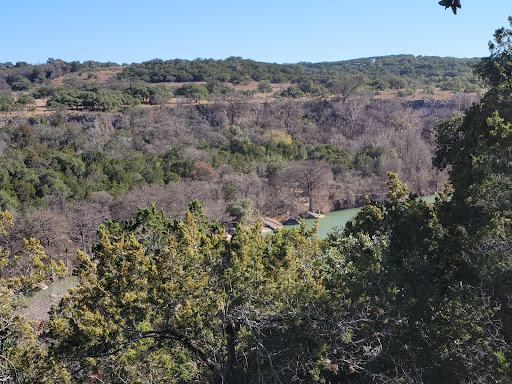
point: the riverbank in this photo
(336, 220)
(39, 303)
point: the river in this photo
(40, 302)
(335, 219)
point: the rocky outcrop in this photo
(313, 215)
(271, 223)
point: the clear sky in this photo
(281, 31)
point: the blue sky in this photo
(279, 31)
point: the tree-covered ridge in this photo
(76, 86)
(402, 71)
(233, 69)
(23, 76)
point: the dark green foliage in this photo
(349, 85)
(464, 140)
(44, 92)
(6, 102)
(233, 69)
(215, 87)
(19, 83)
(311, 89)
(368, 160)
(91, 97)
(333, 155)
(174, 166)
(495, 70)
(192, 91)
(397, 72)
(265, 87)
(476, 147)
(437, 319)
(26, 100)
(292, 92)
(240, 209)
(32, 173)
(148, 94)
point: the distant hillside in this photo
(108, 86)
(424, 69)
(414, 71)
(83, 143)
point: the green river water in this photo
(335, 219)
(40, 302)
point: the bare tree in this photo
(346, 87)
(87, 217)
(235, 106)
(309, 179)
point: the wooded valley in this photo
(131, 182)
(240, 155)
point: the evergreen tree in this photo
(178, 301)
(23, 359)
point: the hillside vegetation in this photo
(239, 158)
(102, 146)
(146, 188)
(108, 86)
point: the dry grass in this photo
(105, 76)
(439, 95)
(102, 77)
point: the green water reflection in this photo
(335, 219)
